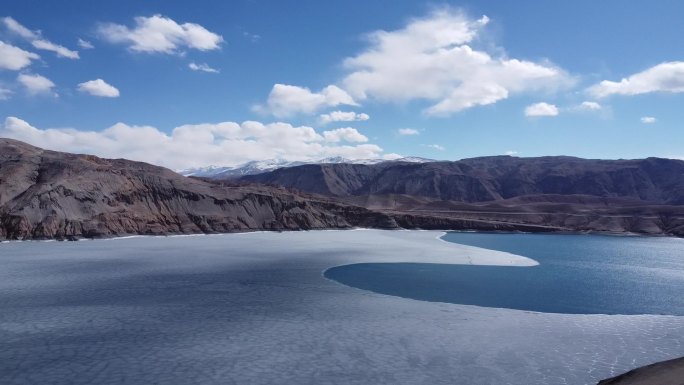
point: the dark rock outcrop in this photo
(662, 373)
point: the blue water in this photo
(577, 274)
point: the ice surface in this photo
(255, 309)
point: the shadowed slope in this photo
(485, 179)
(47, 194)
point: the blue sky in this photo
(310, 79)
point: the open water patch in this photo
(577, 274)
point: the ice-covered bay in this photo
(255, 309)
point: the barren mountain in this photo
(559, 193)
(492, 178)
(47, 194)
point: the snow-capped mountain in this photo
(261, 166)
(249, 168)
(203, 171)
(415, 159)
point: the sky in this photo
(186, 85)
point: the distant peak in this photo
(258, 166)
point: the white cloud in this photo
(664, 77)
(226, 143)
(15, 58)
(202, 67)
(85, 44)
(36, 39)
(648, 120)
(343, 116)
(511, 153)
(431, 59)
(435, 147)
(18, 29)
(36, 84)
(56, 48)
(161, 34)
(590, 106)
(407, 131)
(541, 109)
(99, 87)
(5, 93)
(286, 100)
(347, 134)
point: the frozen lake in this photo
(255, 309)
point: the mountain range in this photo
(53, 195)
(487, 179)
(261, 166)
(560, 193)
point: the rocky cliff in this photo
(47, 194)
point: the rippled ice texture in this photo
(255, 309)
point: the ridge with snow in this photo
(260, 166)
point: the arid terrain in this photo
(46, 194)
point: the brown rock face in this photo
(495, 178)
(47, 194)
(643, 196)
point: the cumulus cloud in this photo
(347, 134)
(196, 145)
(648, 120)
(286, 100)
(202, 67)
(161, 35)
(541, 109)
(431, 59)
(85, 44)
(99, 87)
(15, 58)
(407, 131)
(511, 153)
(664, 77)
(36, 84)
(37, 40)
(343, 116)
